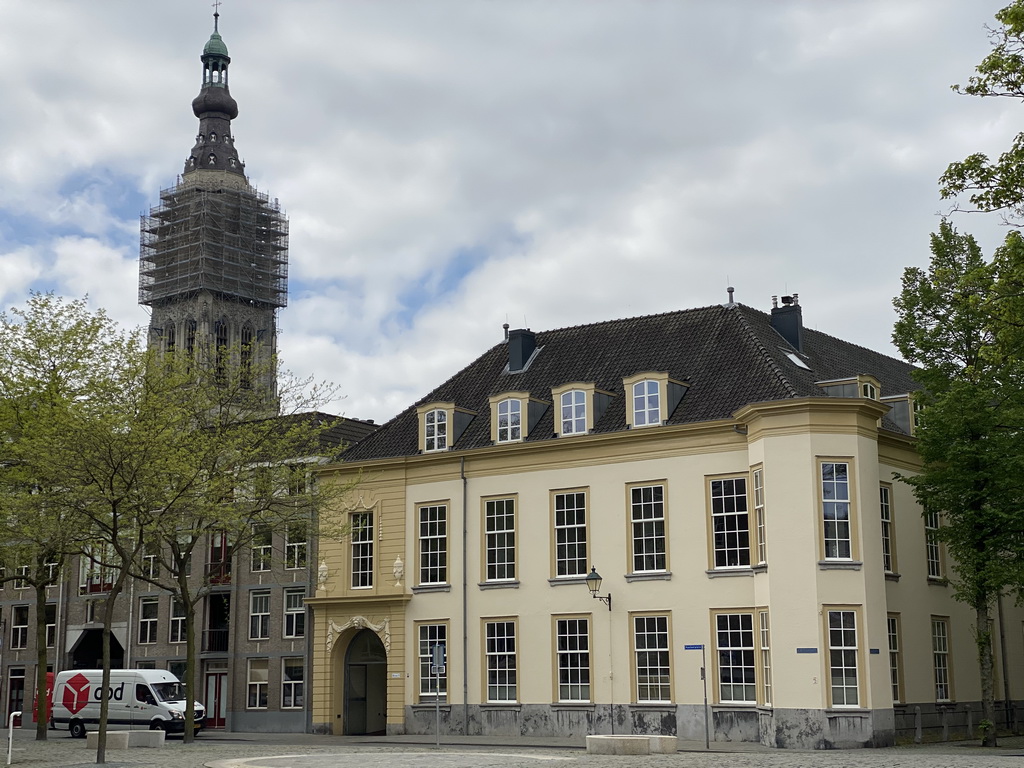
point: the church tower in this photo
(213, 266)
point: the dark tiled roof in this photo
(729, 355)
(341, 432)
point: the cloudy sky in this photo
(451, 166)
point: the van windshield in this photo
(170, 691)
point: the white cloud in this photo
(449, 165)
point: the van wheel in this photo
(77, 729)
(157, 725)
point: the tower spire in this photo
(214, 149)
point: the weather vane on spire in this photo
(216, 13)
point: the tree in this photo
(235, 466)
(953, 322)
(56, 357)
(995, 185)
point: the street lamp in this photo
(594, 585)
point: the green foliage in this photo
(995, 185)
(953, 323)
(111, 450)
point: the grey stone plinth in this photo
(115, 739)
(153, 739)
(663, 745)
(618, 745)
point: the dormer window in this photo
(646, 403)
(435, 431)
(652, 398)
(510, 421)
(574, 412)
(855, 386)
(580, 407)
(513, 415)
(441, 425)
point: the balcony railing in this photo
(219, 572)
(215, 640)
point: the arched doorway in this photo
(366, 685)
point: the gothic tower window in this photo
(221, 335)
(245, 359)
(169, 338)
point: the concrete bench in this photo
(146, 738)
(663, 745)
(115, 739)
(631, 745)
(126, 739)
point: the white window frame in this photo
(500, 539)
(428, 635)
(941, 660)
(572, 656)
(259, 614)
(836, 510)
(892, 624)
(730, 523)
(257, 680)
(760, 521)
(148, 624)
(19, 631)
(652, 659)
(293, 690)
(573, 412)
(765, 646)
(51, 626)
(433, 543)
(361, 546)
(176, 628)
(261, 557)
(294, 613)
(21, 572)
(570, 539)
(501, 660)
(647, 528)
(843, 658)
(888, 537)
(646, 403)
(510, 420)
(296, 546)
(933, 548)
(435, 430)
(735, 655)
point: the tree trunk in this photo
(983, 637)
(42, 716)
(101, 741)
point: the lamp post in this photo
(594, 585)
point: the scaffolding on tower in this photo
(230, 242)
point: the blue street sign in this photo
(698, 647)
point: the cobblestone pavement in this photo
(306, 751)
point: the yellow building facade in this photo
(770, 545)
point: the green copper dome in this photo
(215, 46)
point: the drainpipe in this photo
(312, 556)
(1007, 701)
(465, 599)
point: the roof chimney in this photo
(788, 320)
(521, 343)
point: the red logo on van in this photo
(76, 693)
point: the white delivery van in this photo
(140, 699)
